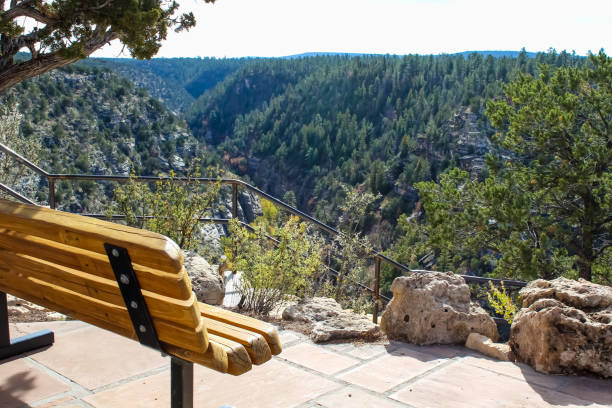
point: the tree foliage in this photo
(59, 32)
(545, 210)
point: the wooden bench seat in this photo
(64, 262)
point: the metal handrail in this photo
(235, 183)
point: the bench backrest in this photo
(58, 260)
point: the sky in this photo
(274, 28)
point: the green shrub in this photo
(502, 302)
(273, 272)
(173, 208)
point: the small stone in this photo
(484, 345)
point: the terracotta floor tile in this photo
(520, 371)
(23, 384)
(150, 392)
(384, 373)
(367, 351)
(462, 385)
(94, 357)
(437, 350)
(317, 358)
(590, 389)
(60, 401)
(274, 384)
(287, 337)
(350, 397)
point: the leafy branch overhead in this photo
(59, 32)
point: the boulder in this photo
(208, 285)
(434, 308)
(329, 321)
(565, 326)
(484, 345)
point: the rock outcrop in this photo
(434, 308)
(565, 326)
(207, 283)
(329, 321)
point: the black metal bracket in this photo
(132, 296)
(23, 344)
(181, 371)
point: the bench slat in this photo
(235, 319)
(182, 312)
(81, 307)
(173, 285)
(215, 357)
(254, 343)
(151, 249)
(238, 359)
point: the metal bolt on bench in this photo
(181, 371)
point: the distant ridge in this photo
(495, 54)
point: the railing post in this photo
(235, 200)
(51, 193)
(376, 290)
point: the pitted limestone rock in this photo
(565, 326)
(434, 308)
(208, 285)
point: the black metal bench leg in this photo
(181, 383)
(23, 344)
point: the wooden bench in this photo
(126, 280)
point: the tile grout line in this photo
(133, 378)
(76, 388)
(338, 381)
(424, 374)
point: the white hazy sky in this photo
(273, 28)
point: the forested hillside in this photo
(92, 120)
(176, 81)
(300, 128)
(385, 122)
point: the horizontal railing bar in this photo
(141, 179)
(16, 195)
(231, 181)
(22, 160)
(482, 279)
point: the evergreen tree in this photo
(546, 208)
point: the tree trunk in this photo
(21, 71)
(588, 237)
(585, 270)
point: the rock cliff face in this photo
(470, 141)
(434, 308)
(565, 326)
(95, 122)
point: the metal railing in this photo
(235, 184)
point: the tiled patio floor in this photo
(89, 367)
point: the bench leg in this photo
(181, 383)
(23, 344)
